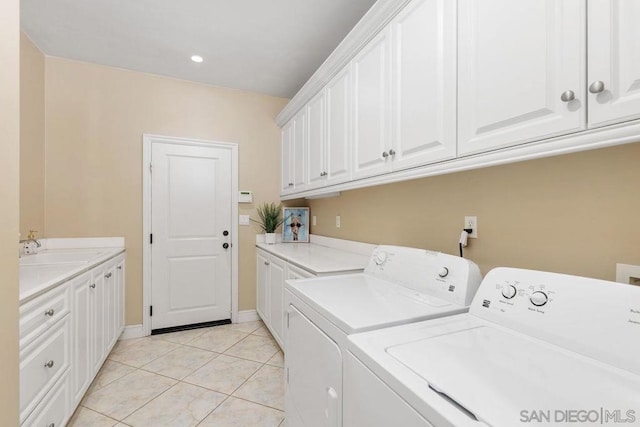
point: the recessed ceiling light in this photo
(197, 58)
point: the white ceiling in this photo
(266, 46)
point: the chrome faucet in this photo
(31, 238)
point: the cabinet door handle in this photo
(392, 152)
(52, 425)
(596, 87)
(568, 96)
(385, 154)
(266, 263)
(92, 286)
(119, 267)
(107, 276)
(50, 312)
(49, 364)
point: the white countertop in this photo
(318, 259)
(57, 263)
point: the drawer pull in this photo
(52, 425)
(266, 263)
(107, 276)
(119, 267)
(92, 286)
(50, 312)
(49, 364)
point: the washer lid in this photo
(504, 378)
(361, 302)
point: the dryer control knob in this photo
(443, 272)
(539, 298)
(381, 257)
(509, 291)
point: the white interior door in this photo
(191, 226)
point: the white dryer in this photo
(399, 285)
(536, 349)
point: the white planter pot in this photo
(270, 238)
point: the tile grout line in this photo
(178, 381)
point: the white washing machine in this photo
(399, 285)
(536, 349)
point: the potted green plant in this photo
(270, 219)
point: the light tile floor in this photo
(229, 375)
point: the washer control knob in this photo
(381, 257)
(539, 298)
(509, 291)
(443, 272)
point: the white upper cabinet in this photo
(424, 83)
(614, 61)
(298, 166)
(371, 130)
(317, 140)
(286, 149)
(294, 144)
(521, 71)
(338, 142)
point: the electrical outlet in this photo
(313, 220)
(337, 221)
(472, 223)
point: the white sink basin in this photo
(59, 257)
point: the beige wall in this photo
(575, 214)
(95, 119)
(32, 165)
(9, 207)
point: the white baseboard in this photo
(247, 316)
(132, 331)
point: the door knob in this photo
(596, 87)
(225, 233)
(567, 96)
(225, 245)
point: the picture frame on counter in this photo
(296, 225)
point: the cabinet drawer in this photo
(54, 409)
(42, 363)
(40, 314)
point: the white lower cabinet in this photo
(272, 272)
(65, 337)
(82, 332)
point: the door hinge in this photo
(151, 239)
(150, 167)
(287, 375)
(287, 320)
(150, 311)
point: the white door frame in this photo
(148, 140)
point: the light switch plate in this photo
(244, 220)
